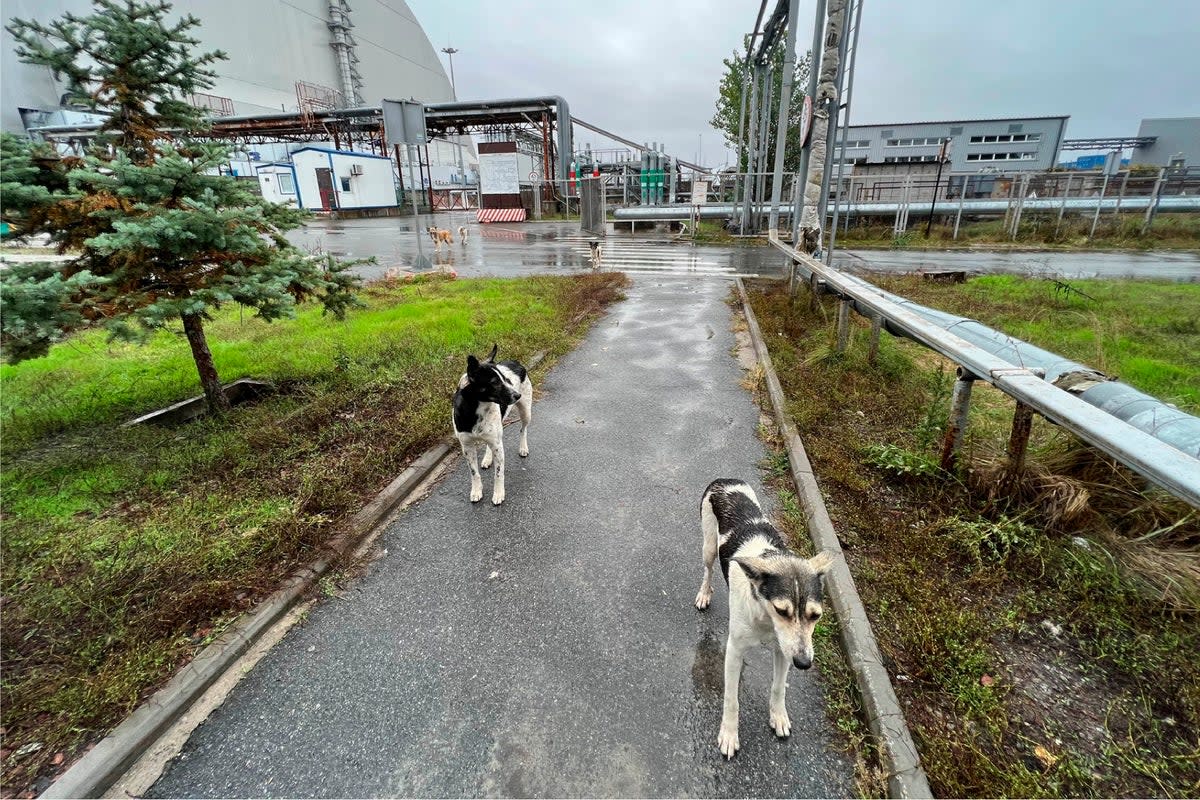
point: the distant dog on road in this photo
(462, 235)
(774, 596)
(440, 236)
(596, 255)
(485, 394)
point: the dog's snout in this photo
(802, 661)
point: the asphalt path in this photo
(549, 646)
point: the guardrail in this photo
(1161, 463)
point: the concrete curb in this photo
(103, 765)
(898, 752)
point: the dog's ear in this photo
(472, 365)
(491, 359)
(755, 568)
(821, 562)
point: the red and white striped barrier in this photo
(501, 215)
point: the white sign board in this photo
(699, 193)
(499, 173)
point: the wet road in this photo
(548, 647)
(526, 248)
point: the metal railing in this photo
(1161, 463)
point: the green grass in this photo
(959, 578)
(1146, 333)
(1169, 231)
(127, 548)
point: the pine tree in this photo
(156, 233)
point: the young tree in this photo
(729, 105)
(156, 233)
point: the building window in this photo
(1005, 138)
(286, 184)
(855, 143)
(1001, 156)
(345, 183)
(917, 142)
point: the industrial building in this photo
(283, 55)
(1017, 144)
(1176, 142)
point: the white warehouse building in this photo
(322, 179)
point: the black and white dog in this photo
(774, 596)
(485, 394)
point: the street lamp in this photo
(462, 175)
(450, 51)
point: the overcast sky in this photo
(648, 69)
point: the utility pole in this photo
(936, 183)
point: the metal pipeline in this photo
(1146, 413)
(1088, 410)
(717, 211)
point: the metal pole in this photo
(873, 348)
(785, 108)
(834, 111)
(742, 143)
(1152, 209)
(1063, 206)
(1099, 201)
(856, 15)
(962, 195)
(936, 183)
(764, 146)
(1024, 190)
(1121, 196)
(843, 325)
(752, 148)
(960, 404)
(814, 67)
(422, 261)
(1018, 440)
(849, 202)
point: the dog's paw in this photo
(523, 452)
(476, 494)
(497, 498)
(703, 598)
(781, 723)
(487, 460)
(727, 740)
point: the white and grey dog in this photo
(462, 234)
(485, 394)
(774, 596)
